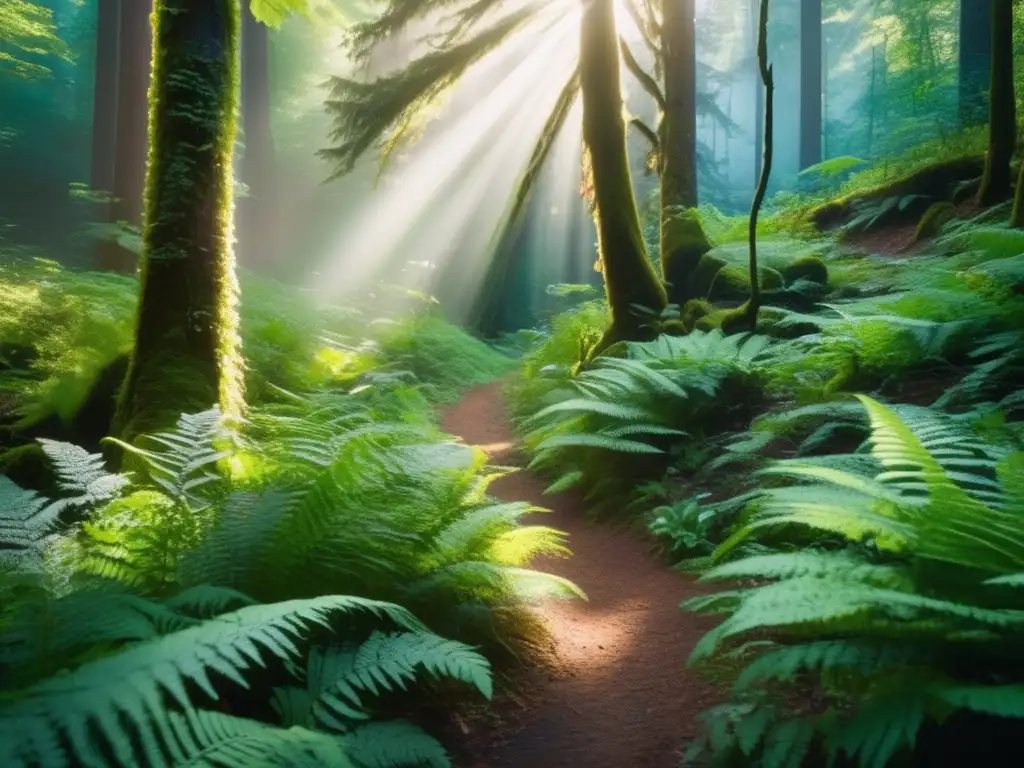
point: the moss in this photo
(693, 311)
(933, 220)
(739, 320)
(733, 282)
(683, 244)
(704, 275)
(630, 280)
(29, 467)
(806, 268)
(935, 181)
(186, 356)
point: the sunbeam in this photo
(442, 208)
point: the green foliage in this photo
(615, 409)
(898, 617)
(27, 29)
(148, 702)
(63, 328)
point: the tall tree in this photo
(975, 60)
(133, 67)
(1002, 110)
(256, 233)
(186, 349)
(683, 242)
(630, 281)
(810, 82)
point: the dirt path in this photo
(619, 696)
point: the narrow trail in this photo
(618, 695)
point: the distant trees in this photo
(810, 82)
(975, 61)
(1002, 112)
(255, 230)
(119, 148)
(683, 242)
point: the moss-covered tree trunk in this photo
(186, 350)
(1002, 108)
(682, 238)
(630, 280)
(1017, 217)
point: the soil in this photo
(896, 241)
(616, 692)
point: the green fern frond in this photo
(189, 452)
(394, 744)
(566, 482)
(584, 405)
(216, 740)
(603, 442)
(83, 474)
(26, 519)
(123, 695)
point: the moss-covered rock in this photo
(732, 282)
(674, 328)
(693, 311)
(933, 220)
(806, 268)
(28, 466)
(937, 180)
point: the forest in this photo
(511, 383)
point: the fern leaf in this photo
(603, 442)
(393, 744)
(125, 693)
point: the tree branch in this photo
(647, 27)
(646, 81)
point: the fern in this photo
(189, 452)
(26, 519)
(121, 696)
(891, 621)
(83, 474)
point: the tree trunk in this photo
(1017, 217)
(631, 284)
(975, 60)
(256, 213)
(1002, 110)
(104, 113)
(810, 83)
(682, 238)
(186, 349)
(130, 161)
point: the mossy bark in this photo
(1017, 217)
(683, 241)
(1002, 109)
(629, 278)
(186, 355)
